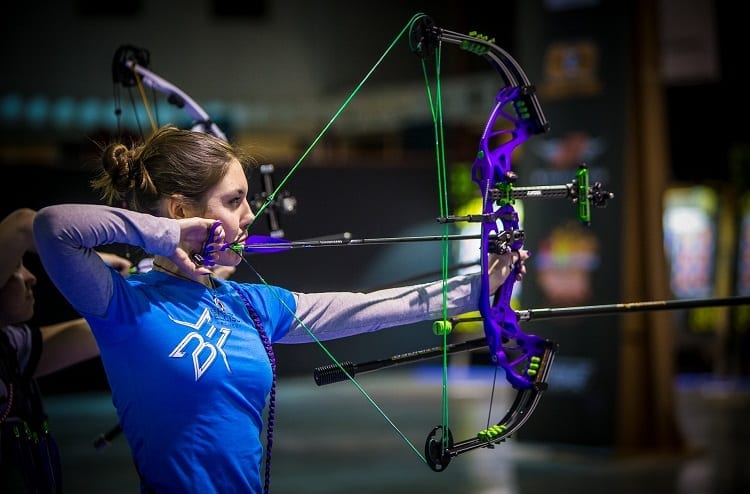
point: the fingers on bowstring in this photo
(189, 263)
(215, 242)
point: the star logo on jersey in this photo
(203, 344)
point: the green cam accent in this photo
(521, 109)
(492, 432)
(477, 48)
(533, 366)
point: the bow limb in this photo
(201, 121)
(129, 69)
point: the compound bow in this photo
(526, 359)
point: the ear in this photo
(177, 207)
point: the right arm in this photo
(67, 234)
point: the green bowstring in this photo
(436, 110)
(327, 126)
(339, 365)
(281, 184)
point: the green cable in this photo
(436, 110)
(338, 112)
(338, 364)
(281, 184)
(445, 253)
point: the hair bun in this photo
(118, 162)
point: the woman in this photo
(29, 461)
(189, 357)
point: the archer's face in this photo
(227, 202)
(17, 296)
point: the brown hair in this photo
(171, 161)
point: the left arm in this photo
(341, 314)
(338, 315)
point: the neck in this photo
(166, 266)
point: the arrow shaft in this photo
(346, 242)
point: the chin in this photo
(19, 317)
(230, 259)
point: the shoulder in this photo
(269, 300)
(257, 290)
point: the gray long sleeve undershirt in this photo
(66, 235)
(323, 313)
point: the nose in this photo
(247, 215)
(28, 276)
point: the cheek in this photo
(230, 222)
(228, 258)
(230, 217)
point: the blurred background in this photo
(647, 93)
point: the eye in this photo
(236, 201)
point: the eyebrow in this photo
(237, 191)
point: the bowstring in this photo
(270, 198)
(351, 378)
(436, 111)
(144, 98)
(437, 116)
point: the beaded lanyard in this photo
(272, 396)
